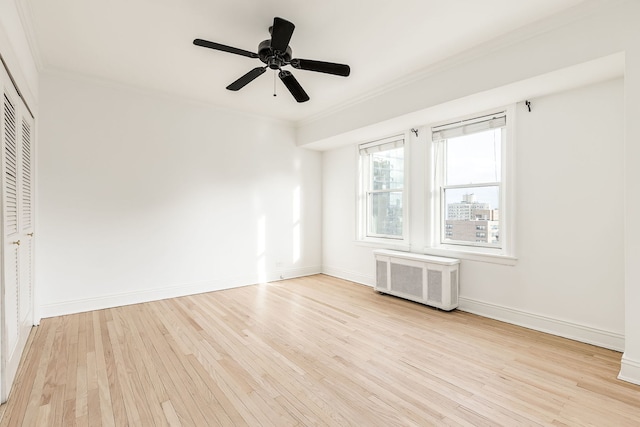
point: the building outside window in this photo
(469, 177)
(382, 195)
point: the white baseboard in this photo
(550, 325)
(574, 331)
(629, 370)
(137, 297)
(294, 272)
(351, 276)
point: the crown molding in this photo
(26, 19)
(582, 11)
(160, 95)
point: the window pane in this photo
(475, 158)
(385, 214)
(472, 215)
(388, 169)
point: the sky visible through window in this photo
(475, 159)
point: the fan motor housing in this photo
(274, 59)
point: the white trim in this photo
(629, 370)
(128, 298)
(25, 13)
(585, 10)
(379, 243)
(434, 177)
(471, 253)
(508, 188)
(362, 191)
(16, 69)
(599, 337)
(352, 276)
(86, 79)
(550, 325)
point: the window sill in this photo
(398, 245)
(472, 255)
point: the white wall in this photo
(15, 51)
(594, 30)
(569, 277)
(569, 224)
(570, 38)
(561, 42)
(143, 197)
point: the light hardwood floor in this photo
(310, 351)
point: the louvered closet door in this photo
(25, 209)
(17, 171)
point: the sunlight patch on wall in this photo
(261, 244)
(296, 225)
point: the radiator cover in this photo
(425, 279)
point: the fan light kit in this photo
(276, 53)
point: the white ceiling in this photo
(148, 43)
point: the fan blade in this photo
(321, 67)
(224, 48)
(281, 33)
(294, 87)
(247, 78)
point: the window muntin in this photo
(383, 189)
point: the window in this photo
(382, 195)
(469, 195)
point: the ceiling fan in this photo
(276, 53)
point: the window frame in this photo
(364, 191)
(435, 240)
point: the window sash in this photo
(440, 137)
(369, 231)
(367, 152)
(462, 186)
(446, 229)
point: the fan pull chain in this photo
(274, 83)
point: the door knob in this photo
(30, 234)
(17, 242)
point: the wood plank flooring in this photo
(306, 352)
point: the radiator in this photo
(425, 279)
